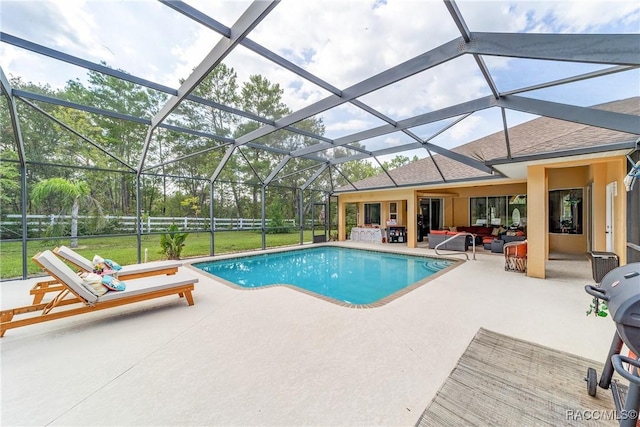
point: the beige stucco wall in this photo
(574, 174)
(541, 178)
(456, 203)
(616, 172)
(598, 176)
(383, 197)
(537, 221)
(460, 203)
(562, 179)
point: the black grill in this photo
(620, 288)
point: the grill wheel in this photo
(592, 382)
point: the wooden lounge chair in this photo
(75, 298)
(132, 271)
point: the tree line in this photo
(106, 158)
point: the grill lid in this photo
(621, 287)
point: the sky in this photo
(341, 41)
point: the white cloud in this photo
(352, 125)
(77, 30)
(392, 141)
(15, 61)
(551, 16)
(351, 41)
(581, 16)
(449, 84)
(462, 131)
(188, 57)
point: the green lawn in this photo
(123, 249)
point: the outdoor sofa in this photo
(492, 238)
(458, 244)
(497, 244)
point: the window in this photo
(565, 211)
(506, 211)
(393, 212)
(372, 213)
(517, 211)
(478, 207)
(497, 210)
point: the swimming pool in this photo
(346, 275)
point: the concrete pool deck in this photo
(276, 356)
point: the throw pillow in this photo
(112, 283)
(495, 232)
(113, 265)
(453, 228)
(93, 283)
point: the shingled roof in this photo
(543, 135)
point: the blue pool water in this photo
(350, 275)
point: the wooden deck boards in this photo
(502, 381)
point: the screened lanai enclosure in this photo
(241, 122)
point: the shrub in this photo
(172, 242)
(275, 215)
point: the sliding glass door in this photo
(432, 211)
(505, 211)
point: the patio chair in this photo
(128, 272)
(75, 298)
(515, 256)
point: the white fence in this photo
(127, 224)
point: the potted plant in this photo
(172, 242)
(598, 308)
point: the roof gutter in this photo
(627, 145)
(419, 185)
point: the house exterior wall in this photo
(596, 172)
(563, 178)
(616, 172)
(449, 211)
(383, 197)
(460, 203)
(460, 211)
(541, 178)
(456, 203)
(537, 221)
(598, 179)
